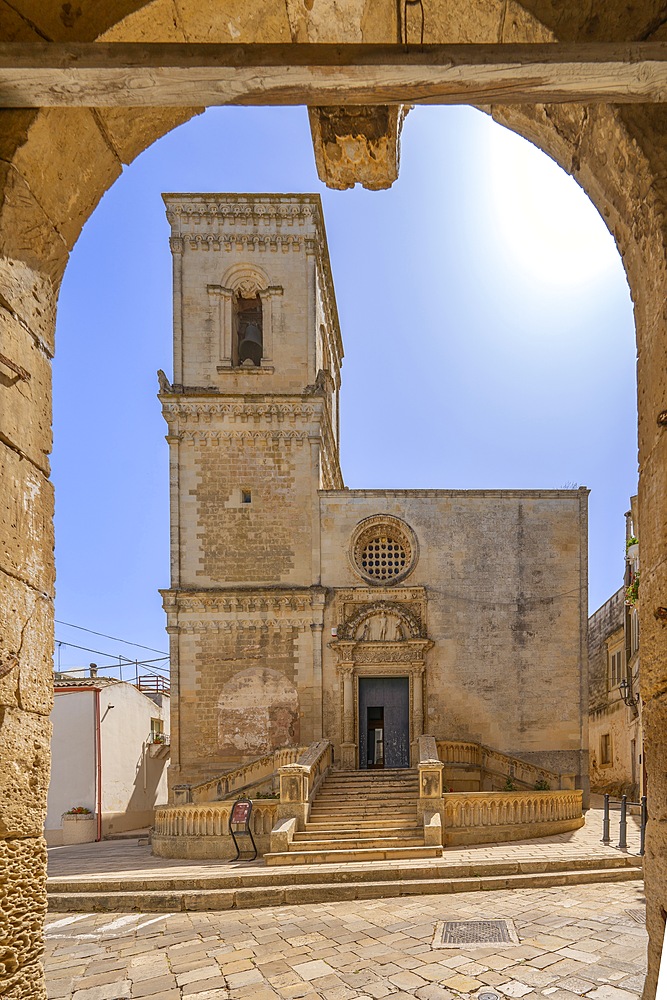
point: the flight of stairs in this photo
(361, 816)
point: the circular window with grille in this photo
(383, 549)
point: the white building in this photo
(110, 750)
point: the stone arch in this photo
(258, 711)
(412, 627)
(617, 155)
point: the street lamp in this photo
(626, 694)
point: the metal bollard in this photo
(606, 839)
(642, 828)
(623, 829)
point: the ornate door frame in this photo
(363, 652)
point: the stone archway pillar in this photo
(348, 747)
(27, 577)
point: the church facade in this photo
(301, 610)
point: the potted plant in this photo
(632, 592)
(79, 825)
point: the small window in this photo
(246, 496)
(605, 748)
(157, 726)
(616, 666)
(248, 347)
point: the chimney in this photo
(93, 670)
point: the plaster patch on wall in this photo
(258, 711)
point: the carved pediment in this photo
(381, 622)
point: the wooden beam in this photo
(122, 74)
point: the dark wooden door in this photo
(391, 695)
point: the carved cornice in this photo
(409, 653)
(242, 210)
(230, 625)
(225, 603)
(247, 242)
(195, 410)
(273, 435)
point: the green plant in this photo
(632, 592)
(509, 786)
(542, 786)
(79, 811)
(633, 540)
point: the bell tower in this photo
(253, 426)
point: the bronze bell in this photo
(251, 345)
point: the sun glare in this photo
(544, 218)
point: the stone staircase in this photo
(241, 887)
(361, 816)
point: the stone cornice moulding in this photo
(256, 601)
(192, 627)
(297, 437)
(194, 409)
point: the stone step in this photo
(259, 875)
(335, 854)
(342, 832)
(340, 823)
(353, 841)
(294, 886)
(350, 814)
(335, 797)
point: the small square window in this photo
(246, 496)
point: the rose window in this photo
(383, 557)
(383, 549)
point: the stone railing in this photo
(495, 764)
(484, 817)
(256, 771)
(430, 805)
(202, 830)
(451, 752)
(298, 784)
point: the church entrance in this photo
(384, 722)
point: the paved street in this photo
(574, 941)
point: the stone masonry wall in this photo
(505, 575)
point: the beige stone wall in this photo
(504, 576)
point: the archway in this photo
(615, 154)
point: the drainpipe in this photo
(98, 762)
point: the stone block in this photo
(282, 835)
(58, 138)
(22, 913)
(27, 235)
(32, 296)
(357, 145)
(26, 419)
(25, 746)
(26, 641)
(26, 522)
(132, 130)
(654, 721)
(262, 21)
(432, 829)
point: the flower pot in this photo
(79, 828)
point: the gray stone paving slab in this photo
(363, 950)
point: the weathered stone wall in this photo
(605, 623)
(504, 576)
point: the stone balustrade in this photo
(202, 830)
(484, 817)
(300, 781)
(252, 773)
(493, 764)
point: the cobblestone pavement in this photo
(125, 857)
(574, 941)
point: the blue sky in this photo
(488, 331)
